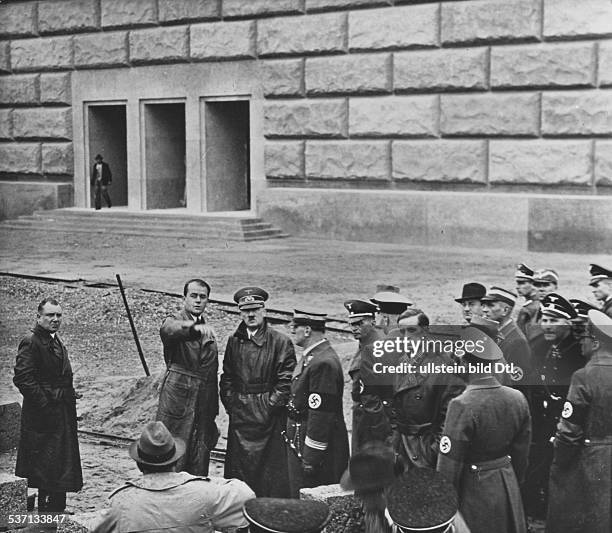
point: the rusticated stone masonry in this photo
(393, 93)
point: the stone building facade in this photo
(478, 122)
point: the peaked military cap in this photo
(370, 468)
(555, 305)
(309, 318)
(485, 347)
(250, 297)
(486, 325)
(545, 275)
(391, 302)
(523, 272)
(422, 500)
(383, 287)
(599, 273)
(471, 291)
(497, 294)
(279, 515)
(601, 324)
(360, 309)
(582, 308)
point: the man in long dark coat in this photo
(581, 473)
(257, 369)
(317, 440)
(188, 399)
(48, 453)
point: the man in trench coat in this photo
(188, 400)
(580, 490)
(48, 454)
(254, 388)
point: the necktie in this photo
(56, 347)
(199, 320)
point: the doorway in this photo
(164, 152)
(227, 141)
(107, 129)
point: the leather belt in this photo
(183, 371)
(252, 388)
(491, 464)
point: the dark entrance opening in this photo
(227, 155)
(107, 129)
(164, 126)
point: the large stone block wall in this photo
(478, 94)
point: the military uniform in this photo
(552, 374)
(316, 431)
(581, 473)
(419, 407)
(598, 274)
(516, 350)
(528, 311)
(484, 450)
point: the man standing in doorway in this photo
(254, 388)
(188, 400)
(101, 178)
(48, 453)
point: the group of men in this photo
(487, 432)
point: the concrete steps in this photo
(173, 223)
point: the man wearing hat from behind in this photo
(254, 388)
(601, 283)
(167, 500)
(485, 442)
(553, 373)
(469, 300)
(497, 305)
(524, 287)
(316, 436)
(278, 515)
(370, 423)
(424, 500)
(580, 479)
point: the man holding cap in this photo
(469, 300)
(164, 499)
(553, 374)
(254, 388)
(370, 423)
(316, 437)
(498, 305)
(601, 283)
(485, 443)
(580, 481)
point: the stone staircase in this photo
(175, 223)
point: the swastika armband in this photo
(319, 401)
(453, 448)
(573, 413)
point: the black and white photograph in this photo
(303, 266)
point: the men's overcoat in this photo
(106, 176)
(188, 399)
(316, 428)
(484, 450)
(49, 448)
(580, 494)
(516, 350)
(607, 306)
(254, 390)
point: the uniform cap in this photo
(497, 294)
(360, 309)
(370, 468)
(391, 302)
(250, 298)
(309, 318)
(523, 272)
(383, 287)
(601, 324)
(599, 273)
(279, 515)
(422, 500)
(545, 275)
(156, 446)
(485, 347)
(582, 308)
(555, 305)
(471, 291)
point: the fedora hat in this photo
(156, 446)
(370, 468)
(471, 291)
